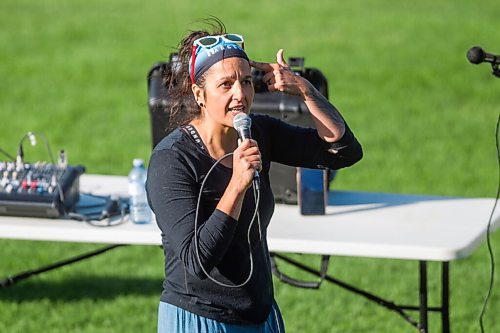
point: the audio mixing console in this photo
(40, 189)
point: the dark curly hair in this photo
(182, 107)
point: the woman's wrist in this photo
(231, 200)
(235, 189)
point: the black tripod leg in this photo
(10, 280)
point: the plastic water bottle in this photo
(140, 213)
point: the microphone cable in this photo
(256, 194)
(7, 155)
(32, 138)
(488, 232)
(101, 211)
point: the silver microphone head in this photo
(241, 121)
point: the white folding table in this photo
(359, 224)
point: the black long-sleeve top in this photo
(176, 170)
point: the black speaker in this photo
(290, 109)
(158, 102)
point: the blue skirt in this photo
(172, 319)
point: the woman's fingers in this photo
(280, 59)
(248, 152)
(269, 79)
(263, 66)
(246, 160)
(270, 67)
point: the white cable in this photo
(248, 232)
(277, 320)
(256, 196)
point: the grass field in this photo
(76, 71)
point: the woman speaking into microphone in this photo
(213, 221)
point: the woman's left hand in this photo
(279, 76)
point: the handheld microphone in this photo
(477, 55)
(242, 124)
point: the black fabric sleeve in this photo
(172, 193)
(302, 147)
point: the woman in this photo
(217, 268)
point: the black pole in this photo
(378, 300)
(423, 297)
(10, 280)
(445, 297)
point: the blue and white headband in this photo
(209, 50)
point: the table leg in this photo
(10, 280)
(423, 307)
(445, 297)
(423, 297)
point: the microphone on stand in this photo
(477, 55)
(242, 124)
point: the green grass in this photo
(76, 71)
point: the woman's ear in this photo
(198, 93)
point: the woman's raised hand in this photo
(279, 77)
